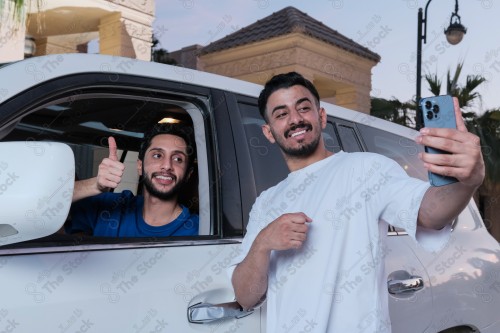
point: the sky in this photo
(388, 28)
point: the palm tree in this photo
(466, 94)
(487, 128)
(393, 110)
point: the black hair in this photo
(284, 81)
(182, 131)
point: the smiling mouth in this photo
(164, 179)
(303, 129)
(297, 133)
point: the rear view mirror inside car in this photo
(36, 188)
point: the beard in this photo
(303, 150)
(155, 192)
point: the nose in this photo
(295, 116)
(166, 164)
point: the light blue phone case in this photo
(438, 112)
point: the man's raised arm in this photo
(441, 205)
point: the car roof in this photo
(35, 70)
(44, 68)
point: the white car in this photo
(54, 282)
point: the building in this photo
(122, 28)
(291, 40)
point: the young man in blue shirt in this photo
(165, 163)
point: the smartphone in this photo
(438, 112)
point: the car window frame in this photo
(27, 101)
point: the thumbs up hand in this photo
(110, 170)
(112, 149)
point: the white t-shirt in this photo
(336, 281)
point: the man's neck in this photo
(158, 212)
(296, 163)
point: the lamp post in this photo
(454, 34)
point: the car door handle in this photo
(401, 282)
(204, 313)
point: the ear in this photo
(189, 173)
(139, 167)
(266, 129)
(323, 118)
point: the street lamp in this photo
(454, 34)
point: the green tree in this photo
(466, 94)
(159, 54)
(487, 127)
(393, 110)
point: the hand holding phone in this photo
(438, 112)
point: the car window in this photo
(84, 120)
(263, 154)
(348, 136)
(403, 150)
(330, 137)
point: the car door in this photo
(80, 283)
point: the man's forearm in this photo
(85, 188)
(441, 205)
(250, 277)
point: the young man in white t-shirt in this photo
(315, 243)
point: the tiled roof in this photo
(286, 21)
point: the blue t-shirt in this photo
(120, 215)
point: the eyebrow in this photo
(173, 151)
(299, 101)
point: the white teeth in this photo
(298, 133)
(164, 178)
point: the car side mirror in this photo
(36, 189)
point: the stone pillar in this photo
(123, 37)
(354, 98)
(110, 28)
(55, 45)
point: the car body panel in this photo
(460, 278)
(146, 288)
